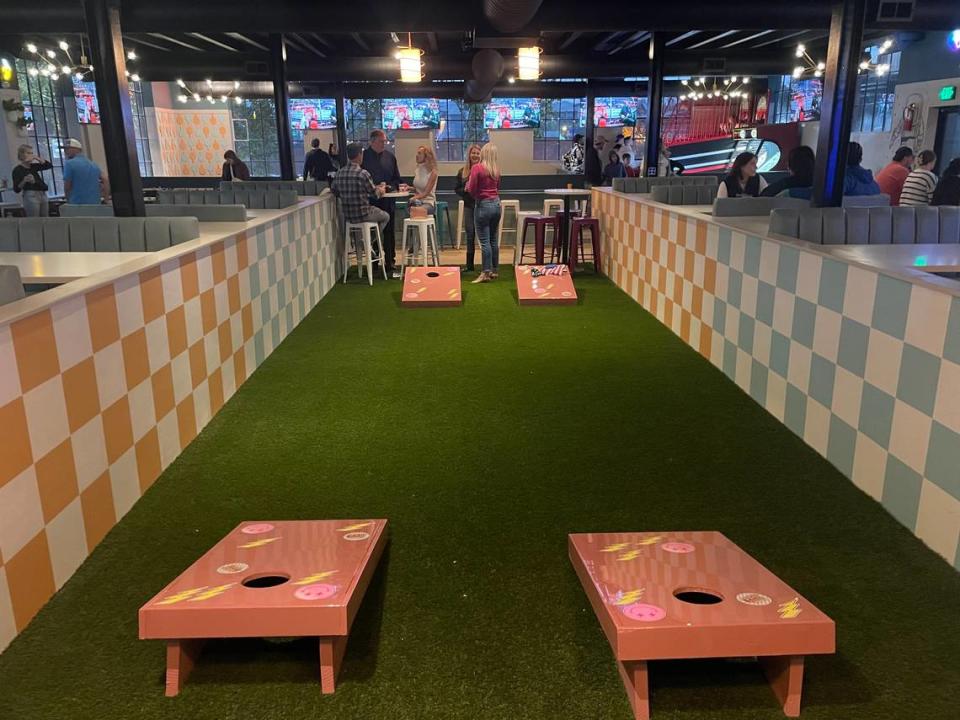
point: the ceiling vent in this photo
(896, 10)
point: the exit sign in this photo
(948, 92)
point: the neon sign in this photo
(953, 40)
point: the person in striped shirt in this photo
(920, 184)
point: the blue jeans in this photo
(487, 219)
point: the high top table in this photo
(567, 194)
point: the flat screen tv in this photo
(411, 114)
(88, 109)
(615, 111)
(313, 113)
(512, 113)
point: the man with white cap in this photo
(82, 179)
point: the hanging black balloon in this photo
(476, 92)
(488, 66)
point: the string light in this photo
(62, 64)
(188, 93)
(726, 88)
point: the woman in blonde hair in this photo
(484, 185)
(28, 181)
(473, 157)
(425, 180)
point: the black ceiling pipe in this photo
(368, 16)
(508, 16)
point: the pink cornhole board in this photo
(633, 581)
(551, 289)
(431, 286)
(324, 568)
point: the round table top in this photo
(397, 194)
(566, 191)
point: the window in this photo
(794, 99)
(42, 99)
(461, 125)
(873, 106)
(363, 116)
(255, 136)
(560, 120)
(140, 130)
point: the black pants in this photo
(389, 244)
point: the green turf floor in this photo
(485, 434)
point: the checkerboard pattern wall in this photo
(864, 367)
(100, 392)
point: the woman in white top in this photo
(425, 180)
(743, 179)
(920, 184)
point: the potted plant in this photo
(14, 109)
(23, 125)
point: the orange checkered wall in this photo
(100, 392)
(192, 142)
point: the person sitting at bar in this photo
(948, 190)
(614, 168)
(743, 179)
(858, 180)
(355, 188)
(425, 180)
(920, 184)
(233, 167)
(383, 168)
(799, 183)
(83, 182)
(628, 168)
(890, 180)
(28, 181)
(317, 165)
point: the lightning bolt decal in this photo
(313, 578)
(631, 596)
(616, 547)
(182, 595)
(212, 592)
(349, 528)
(789, 609)
(259, 543)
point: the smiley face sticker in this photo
(232, 568)
(644, 612)
(256, 529)
(754, 598)
(317, 591)
(679, 548)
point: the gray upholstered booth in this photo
(644, 185)
(11, 286)
(881, 200)
(81, 234)
(753, 206)
(203, 213)
(69, 210)
(301, 187)
(251, 198)
(869, 226)
(683, 194)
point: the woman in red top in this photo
(484, 186)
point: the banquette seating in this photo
(203, 213)
(83, 234)
(868, 225)
(644, 185)
(754, 206)
(683, 194)
(251, 198)
(301, 187)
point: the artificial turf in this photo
(485, 434)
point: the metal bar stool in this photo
(540, 223)
(578, 225)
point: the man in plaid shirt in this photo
(354, 186)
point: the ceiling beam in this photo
(146, 43)
(709, 40)
(681, 38)
(606, 41)
(746, 39)
(635, 39)
(288, 38)
(323, 41)
(248, 41)
(570, 39)
(306, 43)
(210, 40)
(161, 36)
(360, 41)
(779, 39)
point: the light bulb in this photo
(66, 69)
(51, 54)
(236, 84)
(78, 75)
(238, 100)
(51, 68)
(131, 55)
(33, 72)
(797, 71)
(182, 98)
(746, 79)
(223, 98)
(64, 46)
(817, 73)
(181, 83)
(864, 65)
(196, 97)
(31, 48)
(821, 66)
(135, 77)
(801, 50)
(209, 82)
(511, 80)
(54, 76)
(732, 80)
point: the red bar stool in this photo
(577, 226)
(540, 224)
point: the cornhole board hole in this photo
(545, 285)
(678, 595)
(303, 578)
(431, 286)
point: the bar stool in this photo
(424, 241)
(443, 206)
(362, 249)
(461, 228)
(551, 206)
(577, 226)
(540, 223)
(504, 206)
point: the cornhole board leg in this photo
(331, 655)
(785, 675)
(181, 657)
(634, 676)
